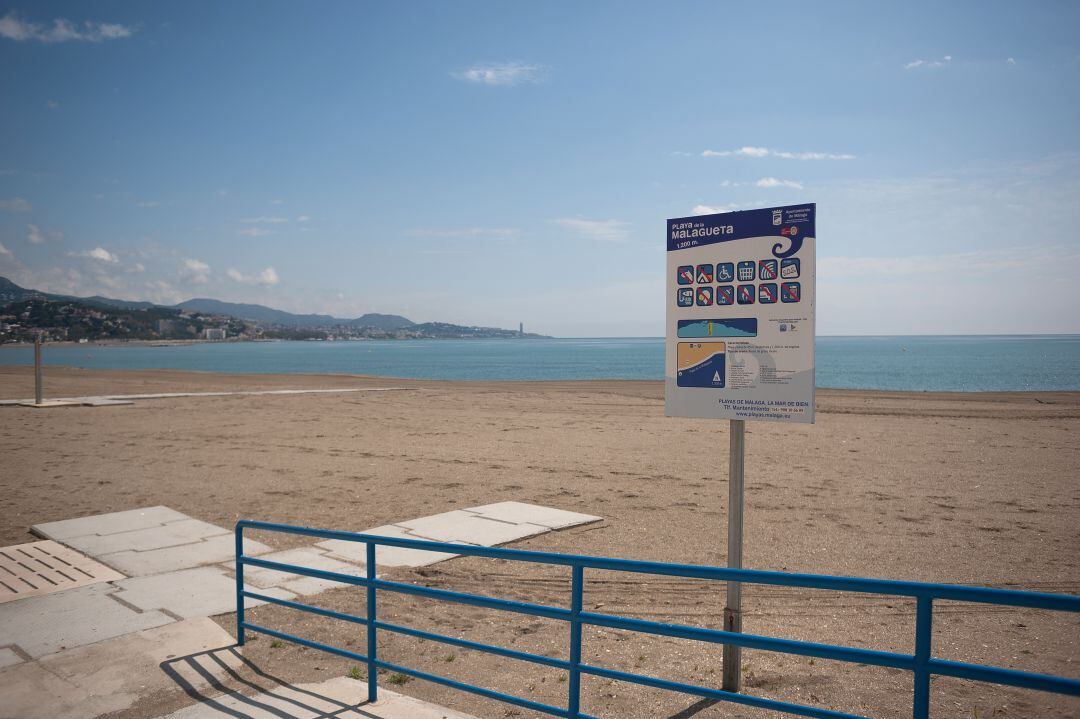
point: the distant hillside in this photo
(268, 315)
(266, 321)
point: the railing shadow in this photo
(220, 671)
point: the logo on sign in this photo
(790, 292)
(725, 295)
(704, 296)
(777, 217)
(725, 272)
(685, 298)
(704, 274)
(686, 275)
(746, 294)
(767, 293)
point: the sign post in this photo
(740, 341)
(38, 391)
(733, 610)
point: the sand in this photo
(981, 489)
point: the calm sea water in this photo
(964, 363)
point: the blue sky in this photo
(490, 163)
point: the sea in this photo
(923, 364)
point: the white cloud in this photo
(254, 232)
(34, 235)
(774, 182)
(99, 253)
(267, 277)
(1010, 61)
(710, 210)
(505, 73)
(52, 104)
(928, 64)
(14, 27)
(15, 204)
(759, 152)
(303, 218)
(195, 271)
(265, 220)
(5, 252)
(603, 230)
(467, 233)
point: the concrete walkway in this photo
(100, 647)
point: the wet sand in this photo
(963, 488)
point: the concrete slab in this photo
(464, 526)
(184, 556)
(37, 568)
(110, 523)
(520, 512)
(341, 698)
(73, 618)
(198, 592)
(9, 657)
(181, 531)
(49, 403)
(112, 675)
(310, 557)
(356, 553)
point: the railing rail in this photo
(921, 663)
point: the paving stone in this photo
(73, 618)
(184, 556)
(8, 657)
(341, 698)
(198, 592)
(519, 512)
(112, 675)
(107, 523)
(356, 552)
(309, 557)
(182, 531)
(466, 527)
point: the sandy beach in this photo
(981, 489)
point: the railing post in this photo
(732, 666)
(372, 667)
(573, 705)
(239, 584)
(924, 614)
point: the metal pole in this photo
(37, 369)
(372, 619)
(240, 635)
(733, 610)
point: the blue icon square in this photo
(685, 297)
(790, 268)
(725, 295)
(767, 293)
(725, 272)
(746, 271)
(685, 275)
(746, 294)
(767, 270)
(790, 292)
(704, 274)
(704, 296)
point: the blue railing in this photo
(920, 663)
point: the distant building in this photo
(214, 333)
(521, 329)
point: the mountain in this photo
(268, 315)
(11, 292)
